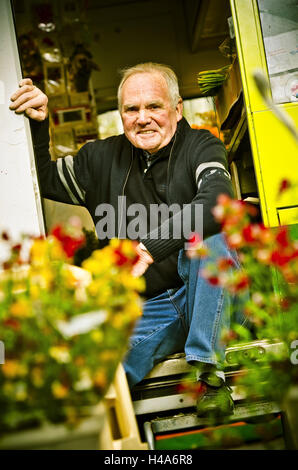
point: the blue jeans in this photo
(188, 319)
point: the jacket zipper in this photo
(168, 167)
(123, 190)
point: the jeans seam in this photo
(217, 321)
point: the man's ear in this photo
(179, 110)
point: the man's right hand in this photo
(30, 100)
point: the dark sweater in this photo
(190, 170)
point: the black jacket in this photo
(98, 174)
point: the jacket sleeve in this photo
(209, 170)
(64, 180)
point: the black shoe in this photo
(215, 399)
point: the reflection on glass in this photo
(279, 21)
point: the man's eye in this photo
(154, 106)
(131, 110)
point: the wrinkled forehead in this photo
(149, 84)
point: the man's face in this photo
(149, 120)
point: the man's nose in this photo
(144, 116)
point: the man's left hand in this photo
(143, 263)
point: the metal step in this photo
(188, 421)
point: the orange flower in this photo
(20, 308)
(59, 390)
(100, 379)
(13, 368)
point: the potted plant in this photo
(64, 330)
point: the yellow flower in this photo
(45, 277)
(69, 279)
(34, 291)
(59, 390)
(100, 262)
(114, 243)
(127, 248)
(133, 309)
(90, 265)
(21, 308)
(38, 251)
(104, 296)
(97, 336)
(100, 289)
(130, 282)
(95, 286)
(60, 354)
(57, 252)
(117, 320)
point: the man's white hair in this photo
(152, 67)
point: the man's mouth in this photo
(146, 132)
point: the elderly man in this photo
(158, 160)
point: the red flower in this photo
(194, 239)
(248, 234)
(243, 282)
(121, 258)
(239, 283)
(279, 258)
(213, 280)
(69, 244)
(282, 237)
